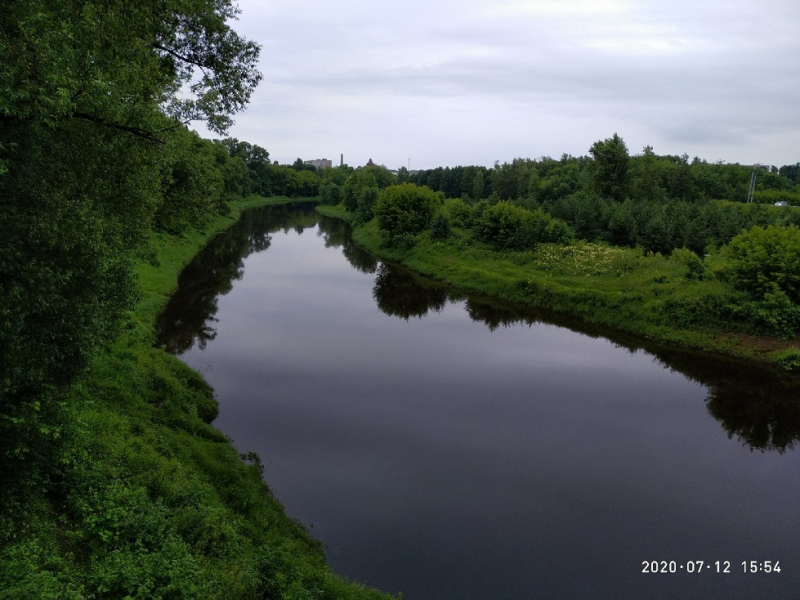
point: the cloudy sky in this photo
(446, 83)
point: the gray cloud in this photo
(450, 83)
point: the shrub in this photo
(460, 212)
(710, 309)
(557, 231)
(776, 315)
(695, 270)
(510, 227)
(789, 359)
(440, 226)
(762, 257)
(500, 224)
(404, 211)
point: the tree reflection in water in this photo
(758, 406)
(190, 313)
(398, 294)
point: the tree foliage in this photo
(763, 260)
(136, 67)
(610, 167)
(510, 227)
(404, 211)
(94, 97)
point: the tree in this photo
(93, 96)
(251, 154)
(330, 192)
(193, 185)
(477, 186)
(299, 165)
(610, 167)
(136, 67)
(647, 176)
(355, 185)
(559, 179)
(791, 172)
(404, 211)
(382, 176)
(512, 181)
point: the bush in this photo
(789, 359)
(695, 270)
(777, 315)
(510, 227)
(460, 212)
(440, 227)
(761, 257)
(499, 224)
(708, 309)
(404, 211)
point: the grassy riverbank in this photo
(134, 494)
(657, 297)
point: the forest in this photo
(112, 481)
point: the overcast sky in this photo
(446, 83)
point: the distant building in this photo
(370, 163)
(319, 163)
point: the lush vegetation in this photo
(403, 211)
(612, 172)
(112, 481)
(711, 274)
(113, 484)
(140, 497)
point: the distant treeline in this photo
(610, 171)
(607, 173)
(655, 202)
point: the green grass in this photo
(650, 296)
(140, 496)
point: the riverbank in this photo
(650, 296)
(144, 497)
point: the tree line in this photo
(610, 171)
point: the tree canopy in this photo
(610, 167)
(404, 211)
(94, 100)
(137, 67)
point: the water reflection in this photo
(756, 405)
(400, 294)
(190, 313)
(337, 235)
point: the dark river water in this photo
(450, 447)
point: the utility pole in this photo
(751, 192)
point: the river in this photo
(445, 446)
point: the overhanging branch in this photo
(185, 59)
(142, 133)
